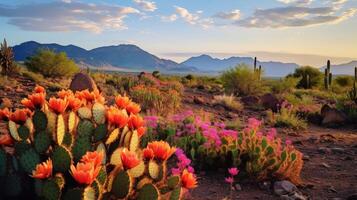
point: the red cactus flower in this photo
(148, 153)
(133, 108)
(4, 114)
(43, 170)
(117, 117)
(161, 149)
(6, 139)
(39, 89)
(28, 103)
(85, 173)
(37, 99)
(129, 159)
(65, 93)
(141, 131)
(135, 122)
(74, 103)
(188, 180)
(122, 101)
(93, 157)
(20, 116)
(58, 105)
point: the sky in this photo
(306, 32)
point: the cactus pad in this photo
(154, 169)
(100, 132)
(73, 194)
(173, 181)
(21, 147)
(127, 139)
(67, 140)
(101, 149)
(143, 182)
(85, 128)
(89, 194)
(13, 130)
(42, 141)
(39, 120)
(102, 176)
(51, 121)
(98, 111)
(149, 191)
(50, 190)
(61, 159)
(176, 194)
(60, 129)
(3, 161)
(72, 121)
(85, 113)
(138, 170)
(134, 141)
(121, 185)
(24, 132)
(113, 136)
(115, 158)
(29, 159)
(12, 185)
(80, 147)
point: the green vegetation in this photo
(6, 59)
(228, 101)
(310, 77)
(51, 64)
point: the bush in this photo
(51, 64)
(314, 74)
(6, 59)
(242, 80)
(229, 102)
(286, 117)
(344, 81)
(284, 85)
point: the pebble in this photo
(284, 187)
(306, 158)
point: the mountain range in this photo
(127, 57)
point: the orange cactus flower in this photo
(37, 99)
(4, 114)
(43, 170)
(141, 131)
(58, 105)
(129, 159)
(85, 173)
(39, 89)
(148, 153)
(28, 103)
(6, 139)
(20, 116)
(188, 180)
(117, 117)
(93, 157)
(122, 101)
(133, 108)
(135, 122)
(161, 149)
(65, 93)
(74, 103)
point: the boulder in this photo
(270, 101)
(81, 82)
(198, 100)
(250, 100)
(331, 116)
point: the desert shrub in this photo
(51, 64)
(7, 81)
(344, 81)
(286, 117)
(154, 100)
(228, 101)
(6, 59)
(242, 80)
(317, 94)
(38, 78)
(308, 73)
(284, 85)
(212, 145)
(122, 83)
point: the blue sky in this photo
(302, 31)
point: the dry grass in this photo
(228, 101)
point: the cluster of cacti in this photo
(352, 94)
(257, 70)
(76, 147)
(328, 76)
(6, 58)
(267, 157)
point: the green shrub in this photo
(286, 117)
(284, 85)
(242, 80)
(344, 81)
(308, 73)
(38, 78)
(51, 64)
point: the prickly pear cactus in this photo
(76, 147)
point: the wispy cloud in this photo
(146, 5)
(66, 15)
(296, 2)
(193, 18)
(232, 15)
(169, 18)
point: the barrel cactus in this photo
(75, 146)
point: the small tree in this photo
(156, 74)
(309, 77)
(6, 58)
(51, 64)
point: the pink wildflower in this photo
(233, 171)
(229, 180)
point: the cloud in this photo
(296, 2)
(169, 18)
(146, 5)
(295, 16)
(233, 15)
(66, 16)
(193, 18)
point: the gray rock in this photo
(332, 116)
(81, 82)
(284, 187)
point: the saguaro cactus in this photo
(328, 76)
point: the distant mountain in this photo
(343, 69)
(122, 56)
(207, 63)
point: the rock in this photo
(237, 187)
(284, 187)
(19, 90)
(265, 185)
(332, 116)
(250, 100)
(352, 197)
(198, 100)
(81, 82)
(332, 189)
(270, 101)
(306, 158)
(337, 150)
